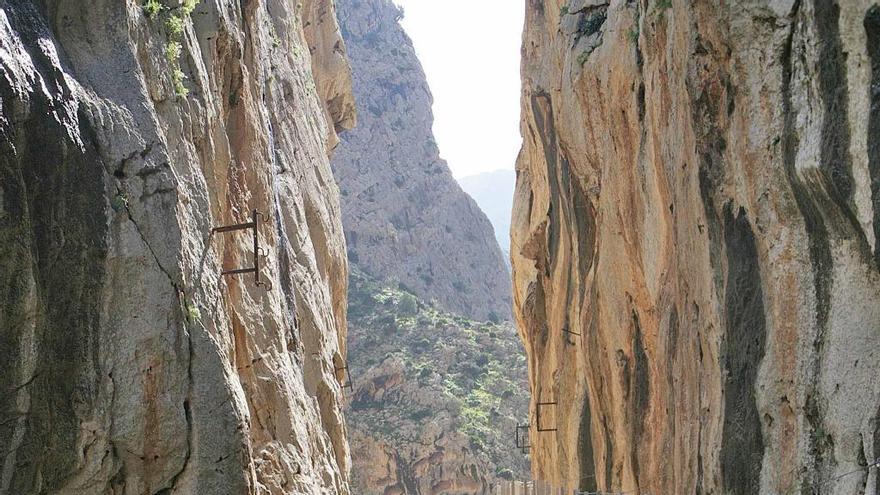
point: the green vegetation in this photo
(188, 6)
(469, 376)
(192, 313)
(175, 24)
(177, 78)
(582, 58)
(591, 24)
(172, 51)
(119, 202)
(408, 305)
(152, 8)
(563, 10)
(633, 35)
(661, 6)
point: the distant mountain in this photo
(405, 217)
(493, 192)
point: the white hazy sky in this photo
(470, 50)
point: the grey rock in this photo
(129, 364)
(406, 219)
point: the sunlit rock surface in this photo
(130, 365)
(698, 199)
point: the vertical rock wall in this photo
(694, 244)
(130, 365)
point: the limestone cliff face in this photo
(406, 219)
(698, 198)
(128, 130)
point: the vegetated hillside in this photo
(493, 192)
(698, 199)
(436, 396)
(128, 131)
(406, 219)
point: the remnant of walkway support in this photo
(258, 251)
(566, 330)
(522, 440)
(347, 375)
(538, 408)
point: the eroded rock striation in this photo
(128, 130)
(406, 220)
(694, 244)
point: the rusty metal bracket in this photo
(566, 330)
(347, 374)
(522, 441)
(259, 253)
(538, 416)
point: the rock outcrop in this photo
(695, 244)
(436, 397)
(128, 130)
(406, 219)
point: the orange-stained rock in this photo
(697, 198)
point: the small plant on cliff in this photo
(582, 58)
(119, 202)
(633, 35)
(563, 10)
(174, 25)
(188, 6)
(173, 51)
(192, 313)
(408, 305)
(177, 77)
(152, 8)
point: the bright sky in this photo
(470, 50)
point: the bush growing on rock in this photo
(408, 305)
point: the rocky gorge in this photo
(694, 245)
(232, 260)
(129, 131)
(438, 371)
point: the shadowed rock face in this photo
(406, 219)
(697, 198)
(129, 364)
